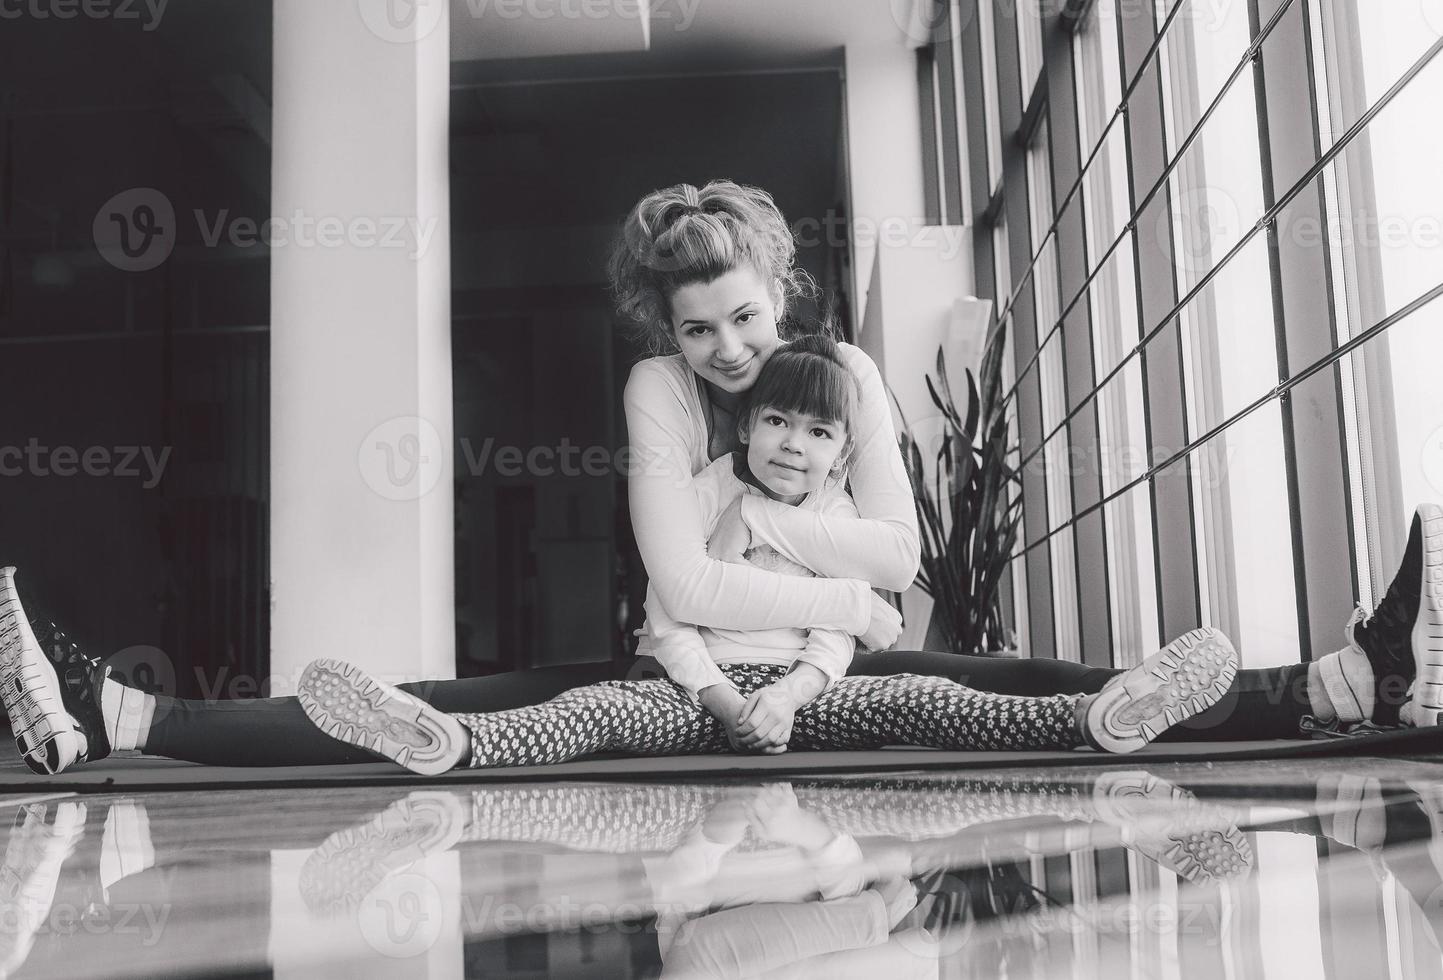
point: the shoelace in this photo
(1316, 730)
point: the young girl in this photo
(770, 689)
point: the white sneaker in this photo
(1188, 676)
(349, 705)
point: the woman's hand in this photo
(885, 627)
(778, 817)
(726, 704)
(731, 539)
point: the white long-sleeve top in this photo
(666, 417)
(692, 655)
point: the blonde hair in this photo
(681, 235)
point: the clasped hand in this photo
(761, 723)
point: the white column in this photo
(361, 434)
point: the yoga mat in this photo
(136, 773)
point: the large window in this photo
(1257, 262)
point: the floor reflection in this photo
(1240, 870)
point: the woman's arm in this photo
(882, 546)
(665, 515)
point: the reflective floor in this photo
(1328, 868)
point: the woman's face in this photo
(727, 328)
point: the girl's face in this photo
(793, 454)
(727, 328)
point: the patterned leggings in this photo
(656, 717)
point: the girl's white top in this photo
(691, 654)
(667, 433)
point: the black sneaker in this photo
(50, 689)
(1403, 638)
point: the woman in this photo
(710, 273)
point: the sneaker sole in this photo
(30, 690)
(1188, 676)
(1211, 849)
(351, 863)
(352, 707)
(1428, 627)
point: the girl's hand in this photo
(731, 539)
(726, 704)
(766, 720)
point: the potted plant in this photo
(967, 512)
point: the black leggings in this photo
(1262, 704)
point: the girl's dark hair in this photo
(806, 376)
(681, 235)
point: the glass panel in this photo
(1384, 203)
(1245, 538)
(1029, 45)
(1112, 297)
(1132, 576)
(1099, 73)
(1229, 343)
(1369, 47)
(1202, 48)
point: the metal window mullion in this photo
(926, 98)
(950, 132)
(1313, 421)
(1042, 627)
(1174, 540)
(1079, 371)
(1362, 289)
(974, 116)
